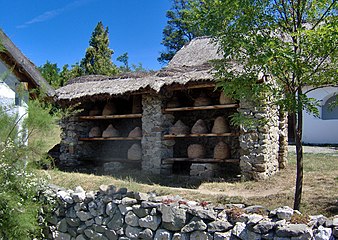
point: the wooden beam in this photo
(136, 115)
(169, 136)
(110, 139)
(213, 107)
(199, 160)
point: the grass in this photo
(320, 192)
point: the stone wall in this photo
(113, 214)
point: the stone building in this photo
(165, 123)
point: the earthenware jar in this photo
(220, 125)
(222, 151)
(110, 132)
(199, 127)
(179, 128)
(196, 151)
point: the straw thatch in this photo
(22, 65)
(189, 65)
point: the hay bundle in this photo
(199, 127)
(222, 151)
(196, 151)
(95, 111)
(110, 132)
(173, 103)
(179, 128)
(136, 132)
(109, 109)
(221, 125)
(202, 100)
(95, 132)
(135, 152)
(225, 100)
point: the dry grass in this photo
(320, 192)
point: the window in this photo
(329, 111)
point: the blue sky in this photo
(59, 31)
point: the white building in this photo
(18, 76)
(322, 129)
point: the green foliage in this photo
(98, 55)
(51, 73)
(124, 58)
(19, 182)
(180, 29)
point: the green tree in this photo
(98, 55)
(124, 58)
(51, 73)
(178, 31)
(294, 43)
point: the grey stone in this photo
(318, 220)
(195, 224)
(284, 212)
(199, 235)
(162, 234)
(98, 220)
(173, 217)
(180, 236)
(73, 222)
(89, 222)
(133, 232)
(222, 235)
(335, 221)
(207, 214)
(128, 201)
(111, 234)
(258, 209)
(140, 211)
(99, 228)
(80, 237)
(240, 231)
(146, 234)
(131, 219)
(79, 196)
(81, 228)
(150, 221)
(124, 209)
(253, 235)
(84, 216)
(111, 208)
(61, 236)
(322, 233)
(253, 219)
(62, 225)
(219, 226)
(89, 233)
(141, 196)
(263, 226)
(147, 204)
(65, 196)
(291, 230)
(103, 189)
(335, 232)
(116, 221)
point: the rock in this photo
(318, 220)
(61, 236)
(73, 222)
(284, 212)
(131, 219)
(180, 236)
(128, 201)
(94, 132)
(195, 224)
(79, 196)
(65, 196)
(133, 232)
(335, 232)
(139, 211)
(222, 235)
(110, 131)
(207, 214)
(162, 234)
(292, 230)
(222, 151)
(258, 209)
(199, 127)
(111, 234)
(240, 231)
(141, 196)
(124, 209)
(99, 228)
(253, 219)
(150, 221)
(173, 218)
(199, 235)
(62, 225)
(220, 125)
(84, 216)
(135, 152)
(80, 237)
(322, 233)
(219, 226)
(147, 204)
(179, 128)
(263, 226)
(116, 221)
(146, 234)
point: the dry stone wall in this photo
(113, 214)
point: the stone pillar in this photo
(259, 143)
(154, 122)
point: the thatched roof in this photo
(22, 65)
(182, 70)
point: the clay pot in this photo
(196, 151)
(202, 100)
(94, 132)
(136, 132)
(95, 111)
(222, 151)
(179, 128)
(225, 100)
(137, 104)
(135, 152)
(173, 103)
(220, 125)
(110, 132)
(109, 109)
(199, 127)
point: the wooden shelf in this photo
(199, 160)
(169, 136)
(213, 107)
(136, 115)
(111, 139)
(125, 160)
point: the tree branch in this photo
(324, 14)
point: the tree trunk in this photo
(298, 121)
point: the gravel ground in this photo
(315, 149)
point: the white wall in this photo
(317, 130)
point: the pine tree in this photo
(98, 55)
